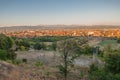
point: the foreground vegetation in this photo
(65, 51)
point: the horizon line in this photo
(64, 25)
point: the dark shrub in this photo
(24, 60)
(3, 54)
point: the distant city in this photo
(61, 30)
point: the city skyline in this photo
(63, 12)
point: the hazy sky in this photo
(82, 12)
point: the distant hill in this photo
(48, 27)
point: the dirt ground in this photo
(46, 71)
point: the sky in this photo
(59, 12)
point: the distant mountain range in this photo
(48, 27)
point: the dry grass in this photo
(32, 72)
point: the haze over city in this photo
(54, 12)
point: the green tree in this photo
(68, 49)
(10, 42)
(6, 51)
(6, 42)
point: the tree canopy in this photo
(6, 42)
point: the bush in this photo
(11, 54)
(22, 48)
(3, 55)
(93, 67)
(7, 55)
(22, 42)
(54, 46)
(37, 46)
(111, 70)
(112, 62)
(38, 63)
(88, 49)
(43, 45)
(16, 62)
(102, 75)
(97, 75)
(118, 40)
(24, 60)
